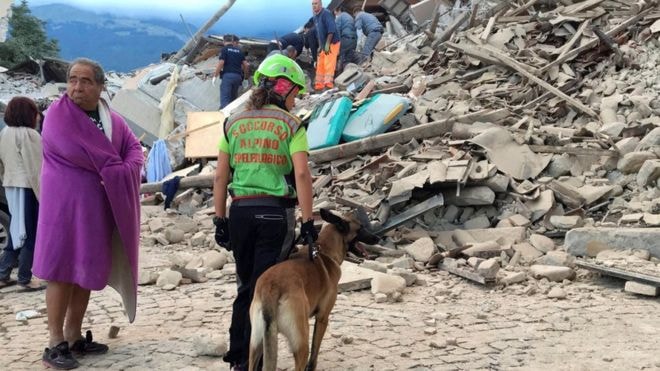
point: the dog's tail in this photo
(263, 338)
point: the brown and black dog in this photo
(291, 292)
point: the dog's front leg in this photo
(320, 325)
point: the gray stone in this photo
(527, 252)
(387, 284)
(566, 222)
(403, 262)
(213, 260)
(542, 205)
(558, 258)
(633, 161)
(631, 218)
(616, 238)
(451, 213)
(169, 277)
(156, 225)
(422, 249)
(627, 145)
(180, 259)
(542, 243)
(489, 268)
(410, 277)
(652, 220)
(513, 278)
(174, 235)
(471, 196)
(210, 345)
(519, 221)
(160, 238)
(380, 298)
(648, 173)
(198, 239)
(557, 293)
(641, 289)
(374, 266)
(552, 273)
(650, 140)
(593, 248)
(499, 183)
(146, 277)
(479, 222)
(560, 165)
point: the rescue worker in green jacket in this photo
(265, 150)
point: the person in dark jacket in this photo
(232, 69)
(293, 39)
(372, 30)
(311, 39)
(347, 37)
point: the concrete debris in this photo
(641, 289)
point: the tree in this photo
(27, 38)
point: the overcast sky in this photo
(196, 8)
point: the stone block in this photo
(174, 235)
(648, 173)
(213, 260)
(513, 278)
(387, 284)
(558, 258)
(557, 293)
(641, 289)
(566, 222)
(650, 140)
(633, 161)
(169, 277)
(542, 243)
(552, 273)
(198, 239)
(479, 222)
(489, 268)
(422, 249)
(471, 196)
(527, 252)
(615, 238)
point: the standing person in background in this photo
(372, 30)
(347, 36)
(265, 148)
(20, 168)
(329, 44)
(311, 40)
(232, 69)
(89, 215)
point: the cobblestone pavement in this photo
(445, 323)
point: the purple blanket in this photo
(89, 211)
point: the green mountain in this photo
(120, 44)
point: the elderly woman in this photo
(20, 166)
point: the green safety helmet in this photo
(278, 65)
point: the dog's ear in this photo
(332, 218)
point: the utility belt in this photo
(282, 202)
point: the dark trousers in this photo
(23, 256)
(347, 51)
(258, 236)
(229, 88)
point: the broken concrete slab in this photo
(542, 243)
(470, 196)
(541, 205)
(527, 252)
(506, 236)
(422, 249)
(616, 238)
(387, 284)
(641, 289)
(355, 278)
(499, 145)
